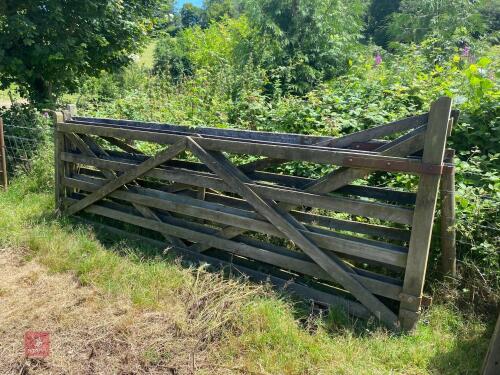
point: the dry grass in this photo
(93, 333)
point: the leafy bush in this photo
(169, 57)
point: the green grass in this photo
(255, 330)
(146, 56)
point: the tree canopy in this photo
(46, 46)
(305, 41)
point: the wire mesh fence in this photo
(23, 140)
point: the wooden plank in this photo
(325, 221)
(330, 263)
(337, 179)
(289, 152)
(363, 135)
(386, 194)
(435, 140)
(491, 364)
(129, 176)
(381, 131)
(348, 245)
(123, 145)
(381, 211)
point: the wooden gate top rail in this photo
(320, 145)
(316, 154)
(301, 139)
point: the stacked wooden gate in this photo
(359, 246)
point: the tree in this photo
(192, 15)
(218, 9)
(417, 19)
(379, 14)
(47, 46)
(302, 42)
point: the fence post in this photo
(58, 163)
(3, 157)
(448, 232)
(71, 108)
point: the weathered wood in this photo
(90, 148)
(381, 131)
(3, 158)
(336, 179)
(361, 248)
(448, 232)
(363, 135)
(122, 145)
(386, 194)
(353, 206)
(330, 263)
(129, 176)
(325, 221)
(59, 170)
(274, 150)
(491, 364)
(249, 248)
(434, 146)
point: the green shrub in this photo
(170, 58)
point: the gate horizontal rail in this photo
(335, 240)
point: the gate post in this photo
(59, 147)
(423, 217)
(3, 160)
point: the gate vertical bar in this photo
(3, 156)
(423, 217)
(448, 233)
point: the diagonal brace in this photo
(129, 176)
(87, 146)
(270, 210)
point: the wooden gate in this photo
(359, 246)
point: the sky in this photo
(179, 3)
